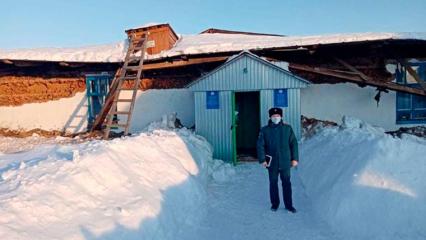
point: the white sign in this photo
(150, 44)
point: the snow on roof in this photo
(98, 53)
(217, 42)
(198, 44)
(147, 25)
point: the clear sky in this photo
(70, 23)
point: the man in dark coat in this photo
(278, 143)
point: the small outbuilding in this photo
(232, 102)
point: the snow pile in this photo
(217, 170)
(146, 25)
(365, 183)
(148, 186)
(13, 144)
(199, 44)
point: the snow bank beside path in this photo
(367, 184)
(148, 186)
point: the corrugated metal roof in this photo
(247, 71)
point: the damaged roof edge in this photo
(217, 30)
(196, 45)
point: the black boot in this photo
(274, 208)
(291, 209)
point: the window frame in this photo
(401, 78)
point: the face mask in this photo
(276, 120)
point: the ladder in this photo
(131, 70)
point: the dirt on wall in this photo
(5, 132)
(17, 90)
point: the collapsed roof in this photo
(204, 43)
(355, 57)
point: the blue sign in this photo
(280, 98)
(212, 100)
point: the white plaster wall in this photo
(71, 113)
(333, 101)
(66, 113)
(151, 105)
(321, 101)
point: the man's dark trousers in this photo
(273, 188)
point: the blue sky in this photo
(70, 23)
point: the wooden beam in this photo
(182, 63)
(352, 68)
(413, 73)
(357, 79)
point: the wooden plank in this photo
(352, 68)
(359, 80)
(120, 112)
(182, 63)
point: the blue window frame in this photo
(212, 100)
(410, 108)
(280, 98)
(97, 88)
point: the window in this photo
(212, 100)
(410, 108)
(97, 88)
(280, 98)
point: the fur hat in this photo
(275, 110)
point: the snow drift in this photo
(148, 186)
(365, 183)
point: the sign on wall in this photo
(280, 98)
(212, 100)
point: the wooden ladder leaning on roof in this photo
(131, 70)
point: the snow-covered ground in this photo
(239, 210)
(367, 184)
(353, 182)
(148, 185)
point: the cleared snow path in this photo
(239, 209)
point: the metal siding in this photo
(291, 113)
(215, 124)
(259, 75)
(266, 102)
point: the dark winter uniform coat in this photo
(278, 141)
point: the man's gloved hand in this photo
(294, 163)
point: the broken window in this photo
(410, 108)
